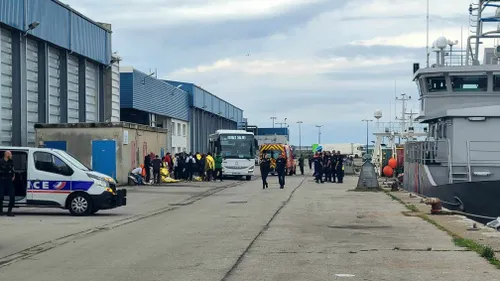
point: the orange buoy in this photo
(388, 171)
(393, 163)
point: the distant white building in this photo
(344, 148)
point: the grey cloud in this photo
(226, 32)
(192, 44)
(435, 19)
(372, 51)
(400, 71)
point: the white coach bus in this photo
(237, 148)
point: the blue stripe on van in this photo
(60, 185)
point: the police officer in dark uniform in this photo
(301, 164)
(340, 167)
(334, 166)
(7, 176)
(265, 167)
(318, 168)
(329, 167)
(280, 169)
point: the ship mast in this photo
(477, 20)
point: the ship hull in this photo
(478, 198)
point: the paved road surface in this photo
(304, 232)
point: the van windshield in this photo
(73, 160)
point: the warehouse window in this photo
(184, 130)
(152, 120)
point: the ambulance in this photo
(52, 178)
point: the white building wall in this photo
(180, 136)
(346, 148)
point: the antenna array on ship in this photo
(392, 133)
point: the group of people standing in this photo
(182, 166)
(328, 166)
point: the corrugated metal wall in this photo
(54, 62)
(272, 131)
(59, 26)
(32, 88)
(126, 90)
(115, 93)
(45, 69)
(6, 84)
(202, 124)
(203, 99)
(91, 93)
(73, 106)
(153, 95)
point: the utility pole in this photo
(300, 134)
(274, 119)
(427, 45)
(367, 121)
(319, 133)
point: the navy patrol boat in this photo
(459, 160)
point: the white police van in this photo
(53, 178)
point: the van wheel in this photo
(80, 204)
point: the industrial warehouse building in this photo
(56, 67)
(207, 114)
(149, 101)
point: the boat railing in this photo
(428, 152)
(397, 128)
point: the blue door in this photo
(104, 157)
(55, 144)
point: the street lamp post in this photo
(300, 134)
(274, 119)
(367, 121)
(319, 133)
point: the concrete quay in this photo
(307, 231)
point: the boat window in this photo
(436, 84)
(496, 83)
(469, 83)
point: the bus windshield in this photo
(237, 146)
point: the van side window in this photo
(49, 163)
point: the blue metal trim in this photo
(490, 19)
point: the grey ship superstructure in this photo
(459, 161)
